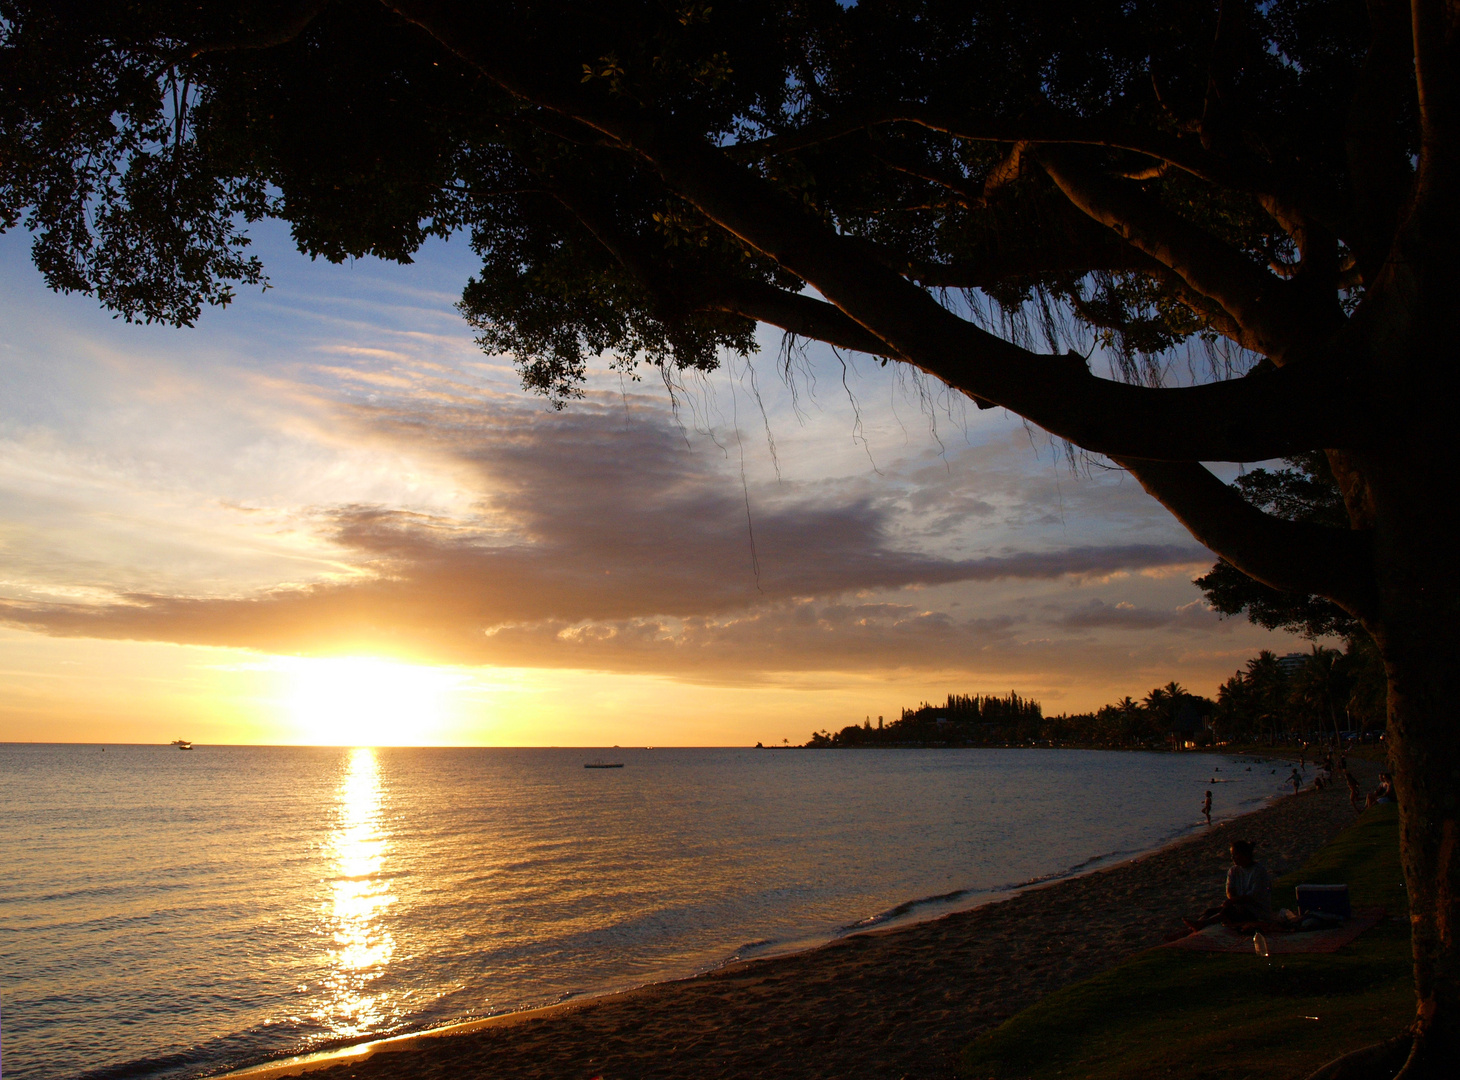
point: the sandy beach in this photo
(886, 1004)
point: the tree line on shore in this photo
(1270, 699)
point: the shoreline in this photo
(442, 1047)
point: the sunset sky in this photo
(323, 515)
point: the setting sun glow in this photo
(361, 701)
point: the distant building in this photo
(1292, 663)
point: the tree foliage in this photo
(1331, 691)
(139, 137)
(1268, 700)
(1305, 491)
(963, 719)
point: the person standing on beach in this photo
(1249, 892)
(1353, 791)
(1206, 808)
(1297, 781)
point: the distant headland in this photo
(1273, 699)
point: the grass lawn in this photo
(1168, 1012)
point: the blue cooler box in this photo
(1324, 899)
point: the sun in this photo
(363, 701)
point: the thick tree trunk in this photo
(1424, 688)
(1418, 632)
(1407, 471)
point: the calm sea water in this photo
(174, 914)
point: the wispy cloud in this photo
(1099, 615)
(602, 539)
(334, 467)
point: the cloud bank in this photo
(600, 538)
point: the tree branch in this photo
(1237, 420)
(796, 313)
(815, 319)
(965, 194)
(289, 26)
(998, 260)
(1041, 131)
(1257, 301)
(1378, 161)
(1435, 31)
(1056, 392)
(1289, 555)
(1436, 44)
(1248, 175)
(1215, 129)
(804, 316)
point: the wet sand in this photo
(885, 1004)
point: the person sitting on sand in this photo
(1206, 808)
(1249, 892)
(1384, 793)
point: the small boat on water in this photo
(603, 765)
(182, 744)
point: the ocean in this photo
(174, 914)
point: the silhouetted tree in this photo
(983, 190)
(1237, 712)
(1161, 706)
(1318, 689)
(1121, 723)
(1304, 492)
(1269, 692)
(1368, 687)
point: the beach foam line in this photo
(907, 907)
(965, 899)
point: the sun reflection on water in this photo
(362, 942)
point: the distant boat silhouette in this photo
(600, 764)
(182, 744)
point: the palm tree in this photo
(1269, 690)
(1363, 671)
(1316, 688)
(1160, 706)
(1236, 707)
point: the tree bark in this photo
(1410, 464)
(1417, 637)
